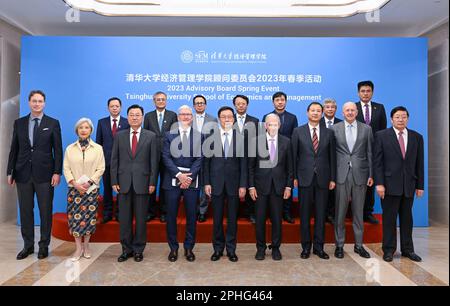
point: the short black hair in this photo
(224, 108)
(399, 109)
(366, 83)
(279, 94)
(135, 106)
(114, 98)
(198, 96)
(242, 97)
(314, 103)
(34, 92)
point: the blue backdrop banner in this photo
(79, 74)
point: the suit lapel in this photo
(154, 122)
(128, 142)
(42, 125)
(141, 142)
(359, 136)
(308, 136)
(395, 143)
(411, 142)
(341, 132)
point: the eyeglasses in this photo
(185, 114)
(226, 117)
(200, 103)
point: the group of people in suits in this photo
(334, 163)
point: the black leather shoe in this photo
(260, 254)
(413, 256)
(106, 219)
(361, 251)
(388, 257)
(232, 257)
(252, 219)
(371, 219)
(189, 255)
(216, 256)
(339, 252)
(124, 256)
(201, 218)
(330, 219)
(150, 218)
(43, 253)
(276, 254)
(173, 255)
(24, 253)
(138, 257)
(162, 218)
(287, 217)
(305, 254)
(321, 254)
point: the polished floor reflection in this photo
(432, 244)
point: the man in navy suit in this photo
(373, 114)
(288, 123)
(35, 164)
(182, 159)
(225, 177)
(106, 130)
(399, 176)
(328, 120)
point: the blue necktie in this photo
(160, 122)
(226, 145)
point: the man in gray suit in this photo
(134, 170)
(353, 175)
(203, 123)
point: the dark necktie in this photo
(134, 143)
(315, 141)
(367, 115)
(401, 141)
(114, 127)
(35, 130)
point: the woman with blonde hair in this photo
(83, 167)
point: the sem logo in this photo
(187, 56)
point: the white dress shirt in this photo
(311, 131)
(241, 120)
(405, 137)
(138, 135)
(222, 137)
(111, 118)
(363, 107)
(200, 120)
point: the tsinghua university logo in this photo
(187, 56)
(223, 57)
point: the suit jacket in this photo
(104, 135)
(172, 162)
(140, 171)
(360, 158)
(39, 161)
(378, 119)
(247, 123)
(324, 124)
(262, 173)
(208, 123)
(307, 162)
(288, 125)
(225, 173)
(151, 124)
(399, 176)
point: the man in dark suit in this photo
(106, 130)
(314, 153)
(288, 123)
(134, 168)
(248, 126)
(203, 123)
(35, 164)
(270, 181)
(328, 120)
(399, 175)
(159, 122)
(183, 161)
(225, 177)
(373, 114)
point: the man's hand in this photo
(151, 189)
(419, 193)
(253, 193)
(381, 191)
(208, 190)
(116, 188)
(370, 182)
(11, 181)
(332, 185)
(56, 178)
(242, 192)
(296, 183)
(287, 193)
(184, 178)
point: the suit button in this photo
(32, 150)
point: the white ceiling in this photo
(397, 18)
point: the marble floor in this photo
(432, 244)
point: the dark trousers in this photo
(249, 206)
(203, 202)
(190, 198)
(331, 207)
(313, 197)
(154, 206)
(44, 194)
(136, 205)
(275, 204)
(108, 195)
(370, 201)
(287, 206)
(228, 240)
(400, 206)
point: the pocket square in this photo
(45, 129)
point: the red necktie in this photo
(114, 127)
(134, 143)
(315, 140)
(401, 141)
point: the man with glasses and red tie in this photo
(374, 115)
(106, 130)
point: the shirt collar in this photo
(222, 131)
(39, 117)
(138, 130)
(270, 137)
(111, 118)
(354, 124)
(158, 112)
(405, 131)
(311, 127)
(368, 103)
